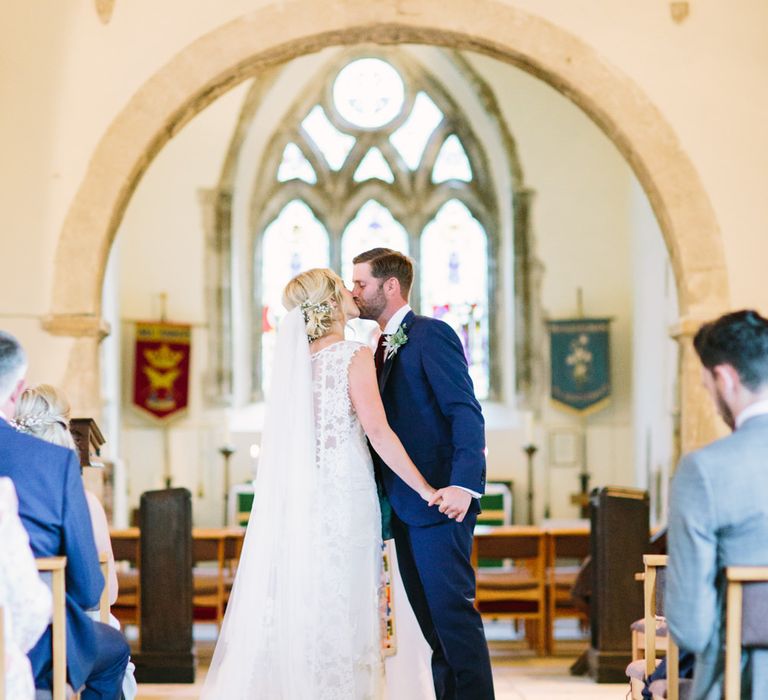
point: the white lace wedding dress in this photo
(303, 619)
(348, 537)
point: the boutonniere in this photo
(394, 342)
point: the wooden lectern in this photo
(165, 553)
(620, 523)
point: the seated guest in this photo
(54, 512)
(44, 411)
(25, 599)
(718, 502)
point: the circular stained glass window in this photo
(368, 93)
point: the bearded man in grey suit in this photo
(719, 503)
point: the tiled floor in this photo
(518, 674)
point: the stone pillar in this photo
(82, 378)
(699, 421)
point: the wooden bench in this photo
(742, 628)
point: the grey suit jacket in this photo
(718, 517)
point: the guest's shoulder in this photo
(713, 455)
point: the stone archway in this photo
(229, 54)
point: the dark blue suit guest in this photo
(430, 404)
(54, 511)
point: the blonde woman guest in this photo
(44, 411)
(25, 599)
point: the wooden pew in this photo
(55, 566)
(736, 612)
(517, 593)
(564, 543)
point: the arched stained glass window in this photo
(385, 157)
(373, 227)
(293, 242)
(454, 285)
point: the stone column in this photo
(699, 421)
(82, 377)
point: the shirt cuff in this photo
(474, 494)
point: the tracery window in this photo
(380, 155)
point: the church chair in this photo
(55, 566)
(212, 584)
(126, 547)
(496, 504)
(654, 578)
(566, 549)
(746, 619)
(516, 592)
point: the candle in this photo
(528, 428)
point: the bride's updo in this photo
(318, 292)
(43, 411)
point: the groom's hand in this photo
(454, 502)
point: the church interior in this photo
(167, 167)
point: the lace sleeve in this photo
(28, 599)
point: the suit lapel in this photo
(387, 368)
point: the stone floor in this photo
(518, 673)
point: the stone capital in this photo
(76, 326)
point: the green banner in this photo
(580, 363)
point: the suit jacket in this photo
(54, 512)
(718, 517)
(430, 404)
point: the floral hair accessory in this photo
(26, 423)
(322, 321)
(394, 342)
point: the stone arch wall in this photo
(227, 55)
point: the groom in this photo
(431, 406)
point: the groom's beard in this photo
(371, 309)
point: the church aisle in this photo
(518, 675)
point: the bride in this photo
(303, 621)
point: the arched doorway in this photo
(219, 60)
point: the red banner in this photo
(161, 369)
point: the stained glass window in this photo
(333, 144)
(293, 242)
(373, 166)
(454, 283)
(411, 138)
(373, 227)
(295, 166)
(452, 162)
(377, 183)
(368, 93)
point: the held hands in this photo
(454, 502)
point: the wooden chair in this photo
(743, 627)
(212, 584)
(55, 566)
(496, 504)
(653, 609)
(517, 592)
(126, 548)
(566, 549)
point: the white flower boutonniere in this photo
(394, 342)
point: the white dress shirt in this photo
(758, 408)
(390, 329)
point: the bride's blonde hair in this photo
(43, 411)
(318, 292)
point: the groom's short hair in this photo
(13, 364)
(386, 263)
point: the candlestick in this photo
(226, 452)
(530, 450)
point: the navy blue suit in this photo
(54, 511)
(430, 404)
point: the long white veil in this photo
(264, 649)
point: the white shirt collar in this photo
(758, 408)
(397, 318)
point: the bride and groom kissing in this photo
(345, 426)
